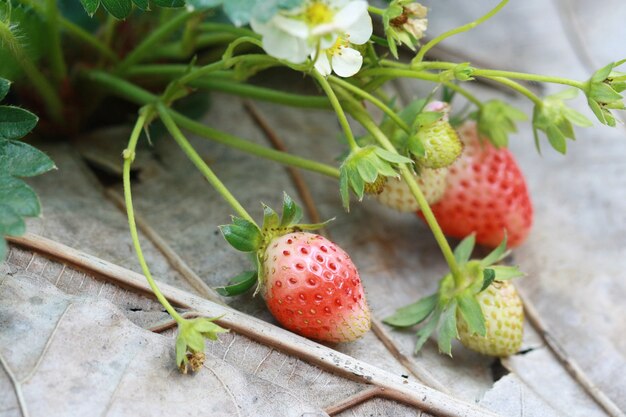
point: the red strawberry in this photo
(486, 194)
(312, 288)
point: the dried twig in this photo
(353, 400)
(17, 386)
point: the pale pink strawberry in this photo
(312, 288)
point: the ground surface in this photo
(75, 340)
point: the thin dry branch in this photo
(392, 386)
(353, 400)
(568, 362)
(17, 386)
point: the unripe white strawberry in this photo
(504, 319)
(396, 193)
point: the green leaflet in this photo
(413, 314)
(448, 329)
(16, 122)
(472, 314)
(239, 284)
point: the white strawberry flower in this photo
(318, 25)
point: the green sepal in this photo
(497, 254)
(463, 251)
(242, 235)
(424, 332)
(464, 72)
(448, 329)
(239, 284)
(472, 314)
(496, 120)
(489, 275)
(191, 335)
(504, 272)
(270, 218)
(16, 122)
(292, 213)
(413, 314)
(427, 118)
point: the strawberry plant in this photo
(71, 59)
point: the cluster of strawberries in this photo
(312, 287)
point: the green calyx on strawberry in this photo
(496, 120)
(604, 92)
(190, 342)
(436, 143)
(310, 285)
(483, 310)
(365, 170)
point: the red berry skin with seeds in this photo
(312, 288)
(486, 194)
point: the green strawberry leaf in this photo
(463, 251)
(504, 272)
(489, 275)
(472, 313)
(497, 254)
(413, 314)
(5, 85)
(22, 160)
(120, 9)
(17, 195)
(448, 329)
(16, 122)
(242, 235)
(11, 223)
(239, 284)
(90, 6)
(424, 332)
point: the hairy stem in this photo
(129, 156)
(41, 84)
(199, 162)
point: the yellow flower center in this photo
(317, 13)
(341, 42)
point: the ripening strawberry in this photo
(486, 194)
(396, 193)
(504, 319)
(439, 140)
(312, 288)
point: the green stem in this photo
(401, 73)
(528, 77)
(375, 101)
(41, 84)
(519, 88)
(153, 39)
(343, 121)
(424, 49)
(365, 120)
(131, 92)
(174, 51)
(225, 27)
(375, 10)
(262, 93)
(199, 162)
(129, 155)
(55, 52)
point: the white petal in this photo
(322, 64)
(291, 26)
(259, 27)
(350, 14)
(284, 46)
(347, 62)
(361, 31)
